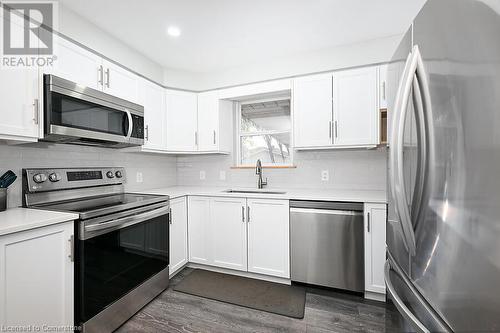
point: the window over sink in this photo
(264, 132)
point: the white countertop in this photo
(20, 219)
(371, 196)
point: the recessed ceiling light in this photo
(174, 31)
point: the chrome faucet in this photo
(258, 171)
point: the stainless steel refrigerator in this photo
(443, 228)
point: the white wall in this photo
(88, 34)
(157, 170)
(348, 169)
(352, 55)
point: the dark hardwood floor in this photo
(326, 311)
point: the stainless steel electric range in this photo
(122, 240)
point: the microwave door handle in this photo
(130, 125)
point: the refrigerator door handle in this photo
(396, 153)
(398, 302)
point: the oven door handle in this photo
(128, 220)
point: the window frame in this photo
(239, 133)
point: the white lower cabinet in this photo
(36, 277)
(375, 222)
(268, 237)
(199, 230)
(229, 233)
(178, 234)
(250, 235)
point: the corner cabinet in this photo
(249, 235)
(338, 110)
(36, 277)
(182, 121)
(178, 234)
(375, 249)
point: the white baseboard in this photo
(240, 273)
(375, 296)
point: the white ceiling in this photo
(221, 34)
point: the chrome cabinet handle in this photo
(100, 73)
(398, 302)
(36, 111)
(214, 136)
(336, 130)
(243, 213)
(108, 74)
(196, 138)
(330, 129)
(383, 90)
(368, 221)
(170, 215)
(146, 130)
(71, 241)
(248, 214)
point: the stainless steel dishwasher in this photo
(327, 244)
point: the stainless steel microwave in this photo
(86, 116)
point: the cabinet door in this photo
(181, 121)
(312, 111)
(355, 107)
(229, 233)
(36, 277)
(382, 86)
(19, 109)
(120, 82)
(152, 97)
(268, 237)
(208, 121)
(375, 221)
(199, 230)
(20, 104)
(178, 234)
(77, 64)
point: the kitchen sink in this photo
(256, 191)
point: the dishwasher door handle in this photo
(325, 211)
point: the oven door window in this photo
(76, 113)
(115, 263)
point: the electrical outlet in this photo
(222, 175)
(202, 175)
(325, 175)
(138, 177)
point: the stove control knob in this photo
(54, 177)
(110, 174)
(39, 178)
(118, 174)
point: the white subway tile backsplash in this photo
(157, 170)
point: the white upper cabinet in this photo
(20, 105)
(178, 234)
(120, 82)
(36, 277)
(19, 97)
(375, 226)
(268, 237)
(355, 107)
(153, 98)
(229, 233)
(215, 118)
(182, 121)
(77, 64)
(383, 74)
(312, 109)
